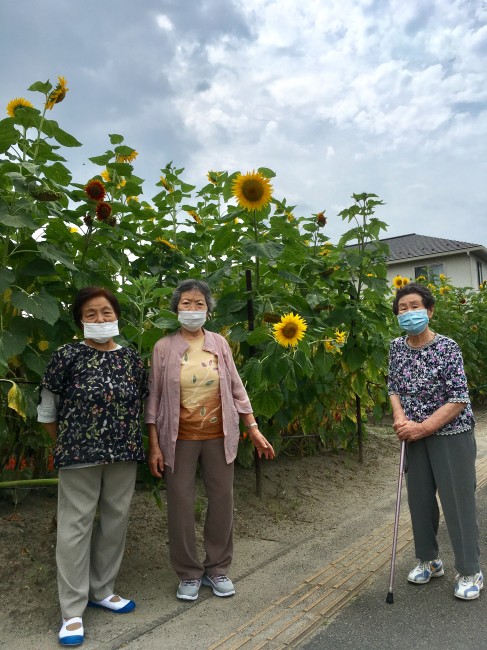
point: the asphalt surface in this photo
(422, 616)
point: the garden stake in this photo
(390, 596)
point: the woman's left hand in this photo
(263, 446)
(411, 431)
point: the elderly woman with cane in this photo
(91, 400)
(432, 414)
(196, 400)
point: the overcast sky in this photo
(336, 96)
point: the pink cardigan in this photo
(163, 404)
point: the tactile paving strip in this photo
(314, 603)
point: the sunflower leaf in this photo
(266, 172)
(267, 401)
(102, 160)
(266, 250)
(6, 279)
(115, 138)
(8, 134)
(41, 87)
(259, 335)
(42, 305)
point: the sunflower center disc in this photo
(289, 331)
(253, 190)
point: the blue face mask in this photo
(414, 322)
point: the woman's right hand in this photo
(156, 461)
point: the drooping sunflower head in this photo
(95, 190)
(105, 174)
(290, 330)
(58, 94)
(321, 219)
(195, 216)
(103, 211)
(126, 158)
(18, 102)
(166, 243)
(340, 337)
(252, 191)
(213, 177)
(166, 184)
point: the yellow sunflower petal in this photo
(252, 191)
(18, 102)
(58, 94)
(290, 330)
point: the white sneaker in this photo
(423, 573)
(468, 587)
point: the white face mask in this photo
(100, 332)
(192, 320)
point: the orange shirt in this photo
(200, 415)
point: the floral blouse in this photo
(426, 378)
(100, 404)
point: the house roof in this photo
(417, 246)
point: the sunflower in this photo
(121, 158)
(289, 216)
(103, 211)
(18, 102)
(58, 94)
(132, 198)
(405, 281)
(329, 347)
(321, 219)
(340, 337)
(442, 277)
(397, 282)
(194, 215)
(105, 174)
(421, 278)
(166, 185)
(95, 190)
(213, 177)
(290, 330)
(252, 191)
(166, 243)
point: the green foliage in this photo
(58, 235)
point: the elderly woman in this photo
(432, 413)
(192, 414)
(91, 399)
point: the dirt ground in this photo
(301, 497)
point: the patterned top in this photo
(100, 403)
(200, 417)
(426, 378)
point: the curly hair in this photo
(427, 298)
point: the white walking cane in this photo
(390, 596)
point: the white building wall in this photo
(461, 270)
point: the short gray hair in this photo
(190, 285)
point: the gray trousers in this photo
(180, 489)
(444, 464)
(88, 558)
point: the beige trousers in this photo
(218, 531)
(88, 557)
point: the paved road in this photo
(426, 616)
